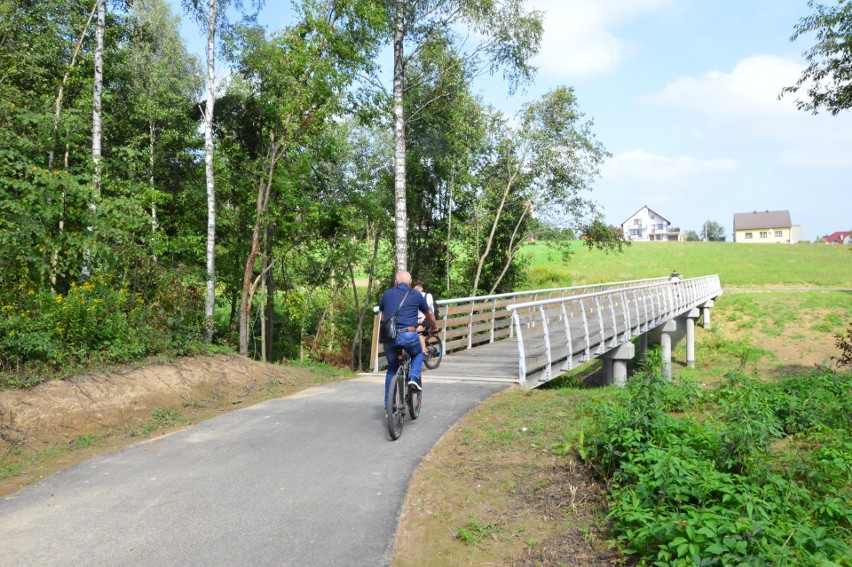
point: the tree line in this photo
(148, 207)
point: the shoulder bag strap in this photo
(404, 297)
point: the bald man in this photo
(406, 323)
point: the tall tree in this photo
(210, 15)
(445, 128)
(535, 179)
(509, 37)
(828, 77)
(299, 77)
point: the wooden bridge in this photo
(534, 336)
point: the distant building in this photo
(842, 237)
(646, 225)
(767, 227)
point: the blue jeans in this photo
(411, 343)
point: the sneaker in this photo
(414, 386)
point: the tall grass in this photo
(736, 264)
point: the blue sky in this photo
(683, 94)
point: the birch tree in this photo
(541, 167)
(510, 37)
(210, 15)
(97, 131)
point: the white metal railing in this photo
(467, 322)
(573, 329)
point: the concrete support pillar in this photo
(705, 310)
(667, 331)
(690, 317)
(643, 346)
(615, 364)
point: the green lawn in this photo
(737, 264)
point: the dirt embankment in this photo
(62, 410)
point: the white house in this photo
(647, 225)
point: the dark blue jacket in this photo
(407, 315)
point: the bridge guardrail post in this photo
(522, 361)
(601, 345)
(569, 363)
(470, 325)
(614, 341)
(547, 351)
(493, 319)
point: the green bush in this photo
(766, 482)
(96, 321)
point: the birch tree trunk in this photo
(210, 299)
(514, 246)
(97, 92)
(54, 262)
(61, 94)
(152, 132)
(490, 241)
(96, 100)
(401, 215)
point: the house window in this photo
(764, 234)
(778, 234)
(637, 222)
(660, 226)
(749, 235)
(635, 232)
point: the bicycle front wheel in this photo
(413, 400)
(396, 406)
(434, 352)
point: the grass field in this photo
(737, 264)
(507, 486)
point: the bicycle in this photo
(434, 351)
(401, 398)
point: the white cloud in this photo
(743, 107)
(752, 87)
(640, 167)
(578, 40)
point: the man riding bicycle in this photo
(406, 323)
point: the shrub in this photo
(97, 320)
(735, 490)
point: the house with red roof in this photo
(842, 237)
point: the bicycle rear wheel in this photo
(413, 399)
(396, 406)
(434, 352)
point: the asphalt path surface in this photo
(312, 479)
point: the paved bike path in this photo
(311, 479)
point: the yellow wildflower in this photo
(13, 105)
(59, 298)
(31, 292)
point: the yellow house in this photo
(767, 227)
